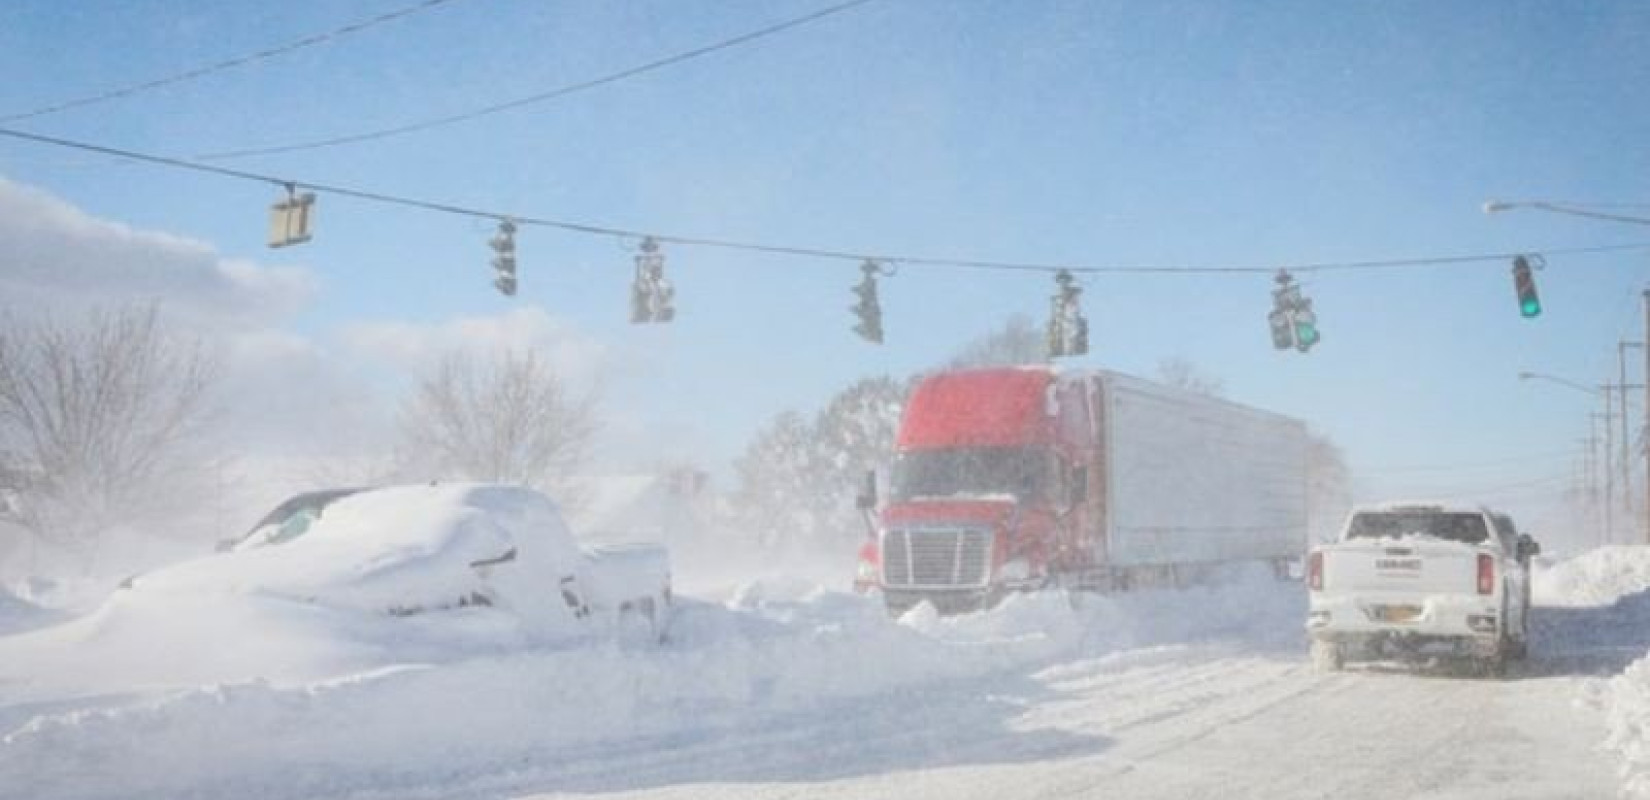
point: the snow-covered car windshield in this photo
(1019, 471)
(1464, 527)
(290, 519)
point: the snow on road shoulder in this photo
(1615, 583)
(1627, 700)
(1595, 578)
(408, 723)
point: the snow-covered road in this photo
(1170, 722)
(795, 692)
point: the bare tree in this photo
(797, 478)
(98, 421)
(509, 419)
(1018, 341)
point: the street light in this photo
(1571, 209)
(1609, 476)
(1594, 391)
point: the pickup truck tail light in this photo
(1486, 574)
(1314, 572)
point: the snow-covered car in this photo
(406, 550)
(1421, 580)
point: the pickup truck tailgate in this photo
(1412, 567)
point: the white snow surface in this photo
(328, 702)
(17, 614)
(789, 689)
(1614, 582)
(1594, 578)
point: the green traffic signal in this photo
(1529, 303)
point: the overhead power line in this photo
(1521, 488)
(537, 97)
(1510, 461)
(229, 63)
(858, 256)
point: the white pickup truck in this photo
(1416, 581)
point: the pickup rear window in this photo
(1454, 526)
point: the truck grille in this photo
(946, 557)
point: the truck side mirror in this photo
(1527, 547)
(1079, 486)
(867, 498)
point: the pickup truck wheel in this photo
(1327, 656)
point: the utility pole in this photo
(1589, 471)
(1599, 466)
(1609, 471)
(1645, 430)
(1625, 463)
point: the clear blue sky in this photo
(1095, 132)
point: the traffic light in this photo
(1068, 329)
(651, 294)
(504, 257)
(1306, 326)
(289, 219)
(868, 309)
(1283, 333)
(1292, 321)
(1529, 303)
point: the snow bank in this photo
(1627, 701)
(1595, 578)
(405, 714)
(1615, 577)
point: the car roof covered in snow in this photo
(1444, 507)
(390, 546)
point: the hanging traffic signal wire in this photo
(537, 97)
(228, 63)
(885, 259)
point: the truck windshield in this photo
(1019, 471)
(1454, 526)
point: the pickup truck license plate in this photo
(1397, 613)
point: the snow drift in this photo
(397, 714)
(1617, 578)
(1595, 578)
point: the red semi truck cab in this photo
(989, 489)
